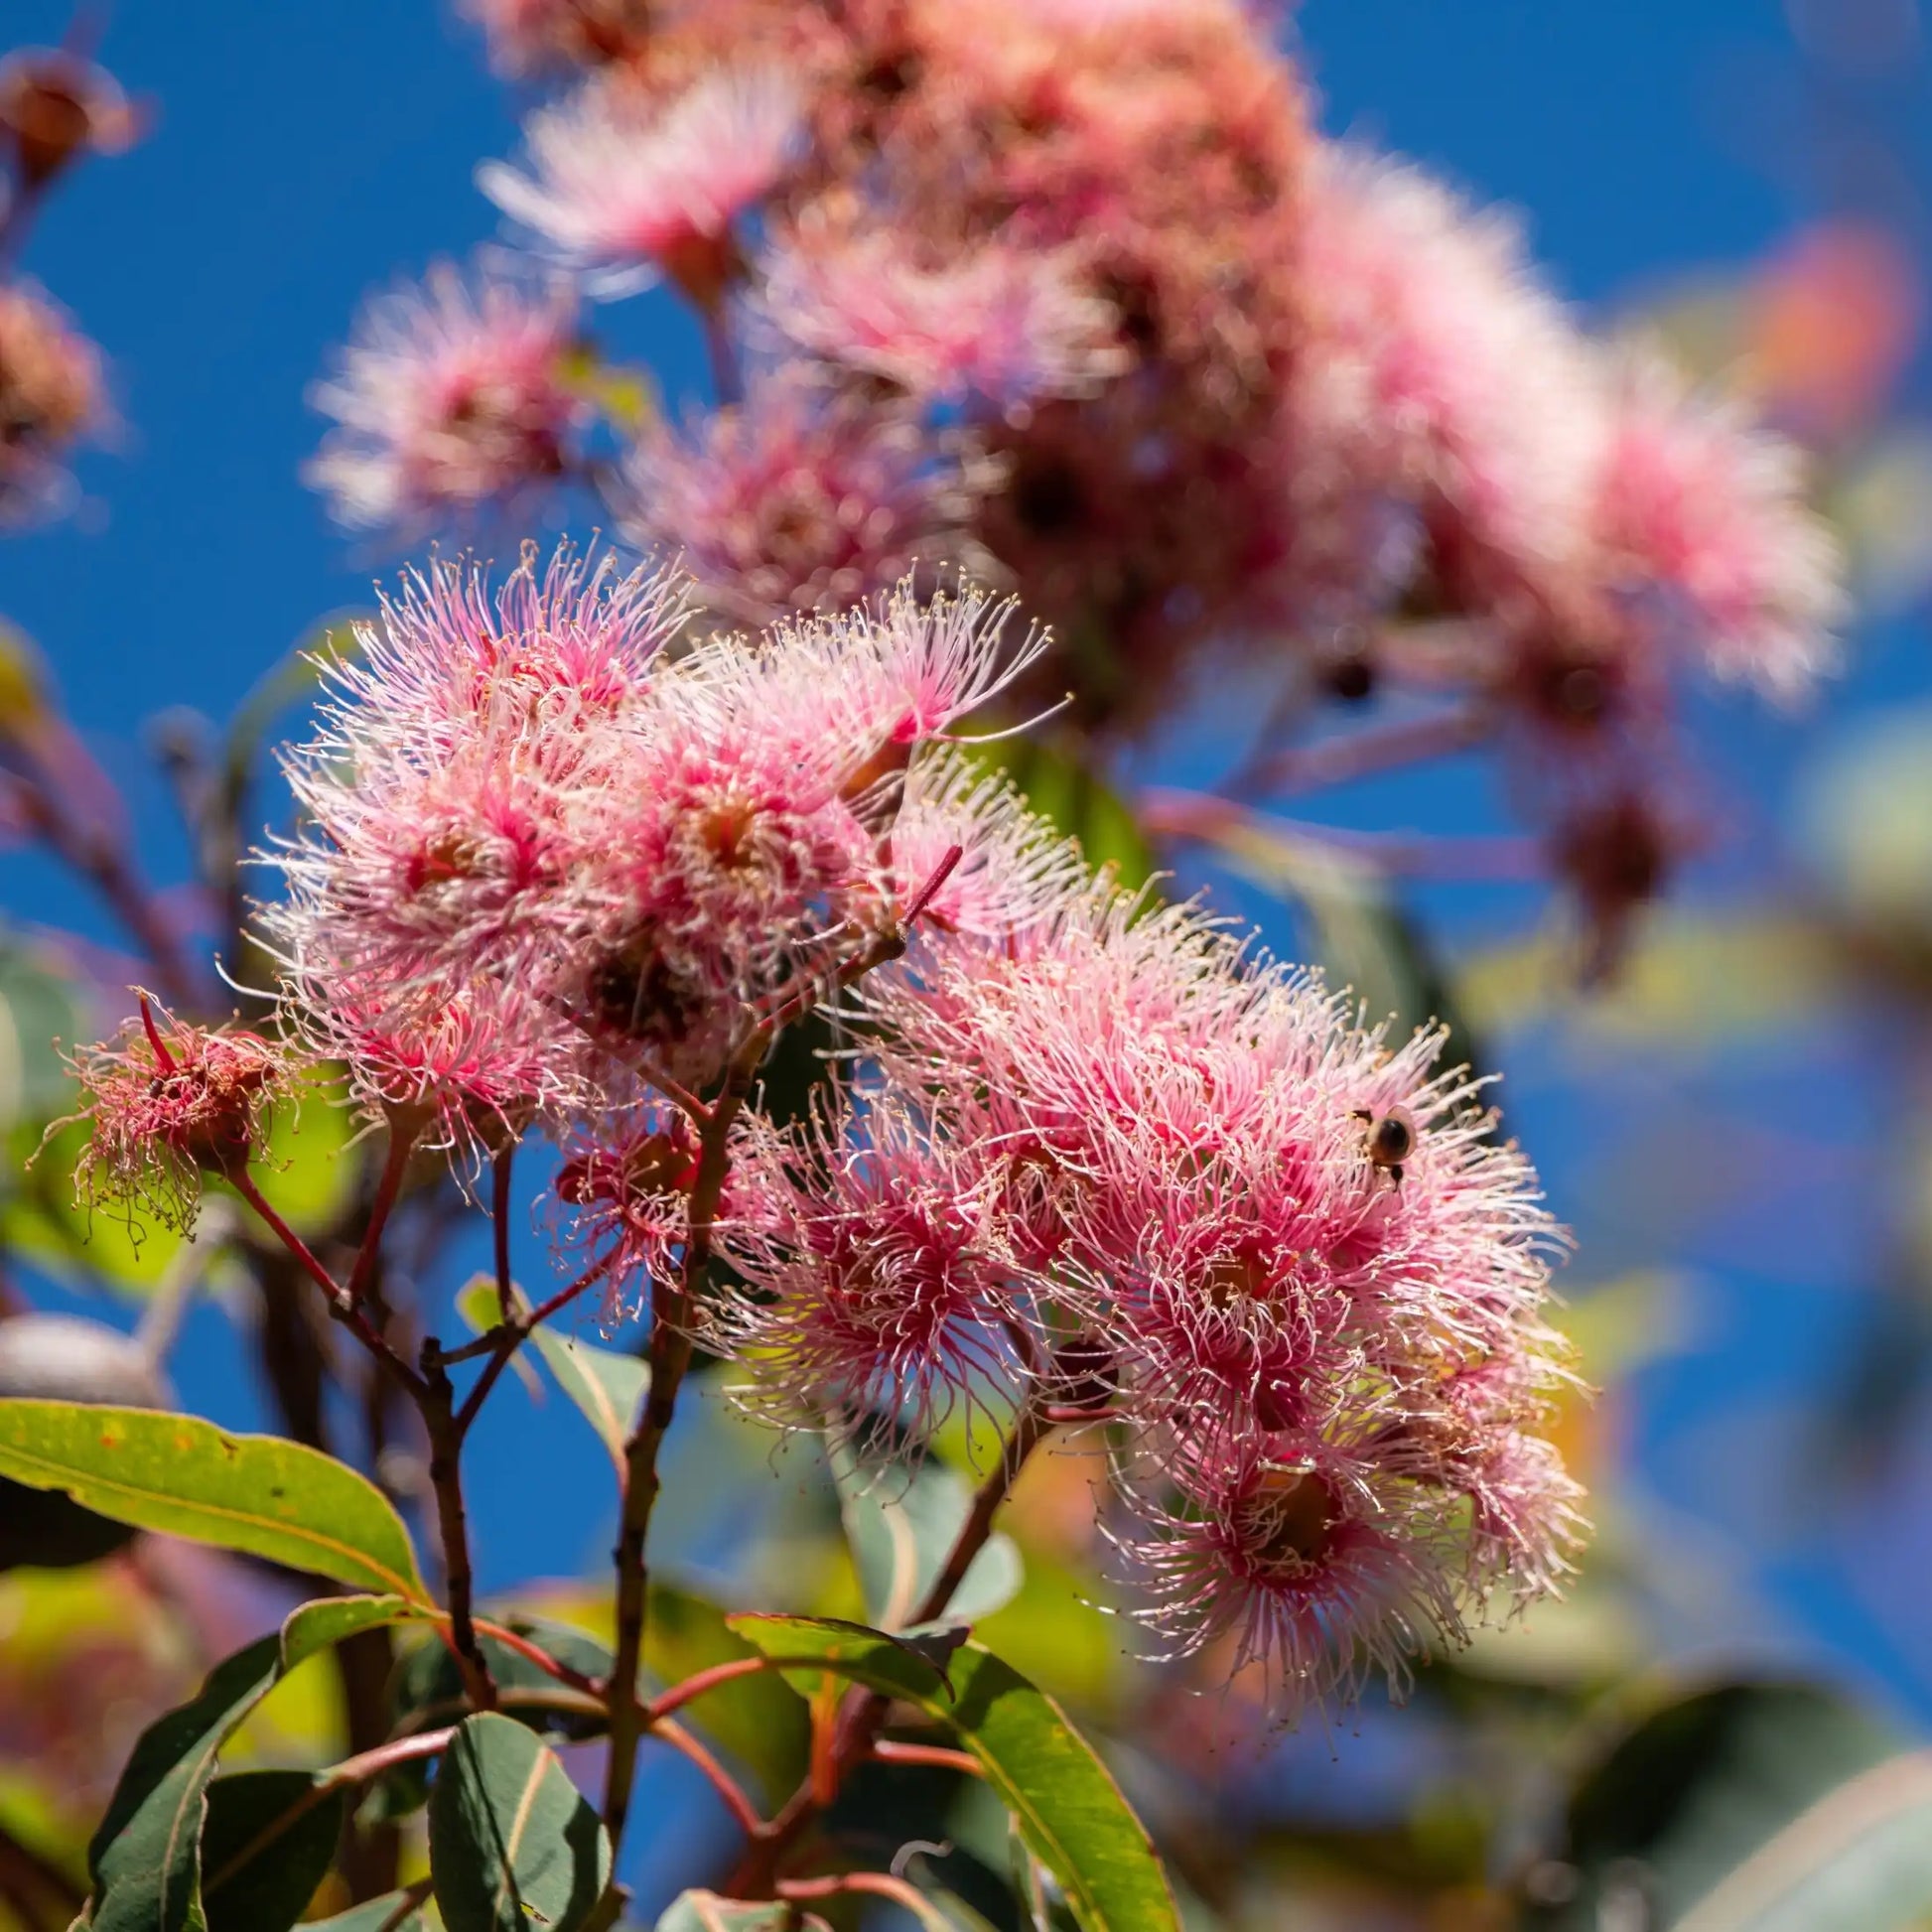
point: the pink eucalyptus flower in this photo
(993, 322)
(622, 186)
(1701, 527)
(452, 402)
(799, 500)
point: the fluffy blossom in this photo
(1700, 525)
(50, 393)
(992, 322)
(537, 850)
(452, 400)
(1445, 418)
(800, 499)
(1290, 1259)
(167, 1100)
(622, 184)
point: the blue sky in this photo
(305, 154)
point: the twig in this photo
(403, 1129)
(865, 1712)
(721, 1781)
(699, 1681)
(888, 1750)
(340, 1303)
(1360, 754)
(500, 1214)
(437, 1404)
(879, 1885)
(351, 1771)
(524, 1647)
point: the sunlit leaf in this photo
(512, 1843)
(384, 1914)
(257, 1494)
(1067, 1807)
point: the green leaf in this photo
(1068, 1809)
(258, 1494)
(902, 1524)
(384, 1914)
(144, 1857)
(333, 1619)
(266, 1847)
(704, 1912)
(608, 1387)
(1753, 1807)
(42, 1008)
(512, 1843)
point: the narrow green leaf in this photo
(608, 1387)
(389, 1913)
(178, 1474)
(144, 1857)
(902, 1524)
(266, 1844)
(512, 1843)
(331, 1620)
(1067, 1807)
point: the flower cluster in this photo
(1072, 296)
(543, 855)
(1106, 1159)
(1087, 1159)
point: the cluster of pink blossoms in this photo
(1084, 1155)
(1072, 296)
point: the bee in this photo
(1388, 1139)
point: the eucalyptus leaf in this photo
(512, 1843)
(481, 1307)
(1061, 786)
(902, 1525)
(1750, 1806)
(265, 1846)
(145, 1857)
(258, 1494)
(333, 1619)
(1068, 1808)
(389, 1913)
(607, 1385)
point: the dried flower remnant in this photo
(51, 394)
(55, 105)
(533, 37)
(802, 499)
(623, 185)
(453, 401)
(168, 1101)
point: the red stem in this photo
(395, 1163)
(722, 1781)
(699, 1681)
